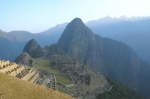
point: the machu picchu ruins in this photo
(27, 73)
(83, 80)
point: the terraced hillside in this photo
(86, 82)
(70, 76)
(28, 74)
(14, 88)
(19, 71)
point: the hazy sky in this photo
(39, 15)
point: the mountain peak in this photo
(75, 20)
(32, 40)
(33, 49)
(75, 31)
(31, 45)
(76, 23)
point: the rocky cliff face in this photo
(33, 49)
(113, 58)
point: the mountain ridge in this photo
(121, 32)
(115, 59)
(16, 41)
(132, 32)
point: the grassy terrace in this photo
(63, 79)
(43, 64)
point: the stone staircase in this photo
(20, 71)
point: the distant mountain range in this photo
(12, 43)
(132, 31)
(135, 32)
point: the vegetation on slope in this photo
(45, 65)
(120, 91)
(14, 88)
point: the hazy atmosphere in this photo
(74, 49)
(36, 15)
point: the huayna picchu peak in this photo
(113, 58)
(73, 33)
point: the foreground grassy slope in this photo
(14, 88)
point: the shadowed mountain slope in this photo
(33, 49)
(12, 43)
(115, 59)
(133, 31)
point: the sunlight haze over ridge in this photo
(39, 15)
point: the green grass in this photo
(60, 89)
(62, 79)
(120, 91)
(43, 64)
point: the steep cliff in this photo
(115, 59)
